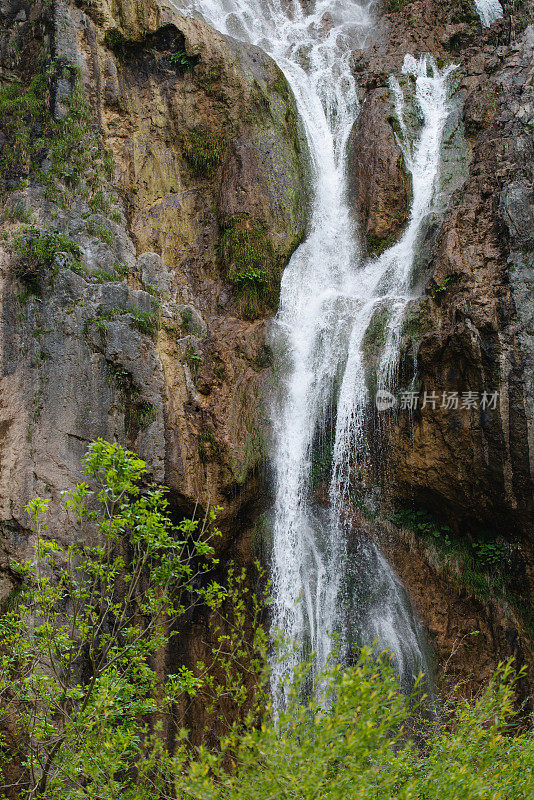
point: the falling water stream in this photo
(488, 11)
(329, 295)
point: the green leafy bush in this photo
(76, 652)
(369, 743)
(182, 62)
(40, 251)
(79, 687)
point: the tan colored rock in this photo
(197, 151)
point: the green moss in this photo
(464, 11)
(396, 5)
(321, 461)
(145, 413)
(204, 150)
(138, 414)
(20, 213)
(377, 245)
(102, 232)
(207, 446)
(35, 138)
(480, 560)
(417, 320)
(375, 336)
(39, 253)
(248, 256)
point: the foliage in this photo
(422, 522)
(483, 558)
(437, 290)
(361, 738)
(76, 664)
(204, 150)
(145, 322)
(249, 258)
(39, 251)
(83, 704)
(60, 153)
(114, 275)
(193, 360)
(102, 232)
(182, 62)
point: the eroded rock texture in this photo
(188, 153)
(472, 330)
(378, 180)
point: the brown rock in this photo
(379, 184)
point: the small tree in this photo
(77, 682)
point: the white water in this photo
(488, 11)
(328, 298)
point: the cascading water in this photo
(328, 298)
(488, 11)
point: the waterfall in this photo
(329, 295)
(488, 11)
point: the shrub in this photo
(39, 251)
(76, 657)
(182, 62)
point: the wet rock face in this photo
(158, 221)
(479, 461)
(472, 331)
(379, 183)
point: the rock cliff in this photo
(459, 480)
(155, 183)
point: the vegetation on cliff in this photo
(84, 701)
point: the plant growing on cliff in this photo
(249, 258)
(59, 150)
(204, 150)
(38, 252)
(182, 62)
(77, 676)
